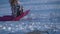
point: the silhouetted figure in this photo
(38, 32)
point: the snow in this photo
(41, 16)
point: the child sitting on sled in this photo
(16, 8)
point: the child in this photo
(16, 8)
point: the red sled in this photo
(11, 18)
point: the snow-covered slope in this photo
(44, 15)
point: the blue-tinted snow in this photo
(44, 16)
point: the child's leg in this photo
(19, 11)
